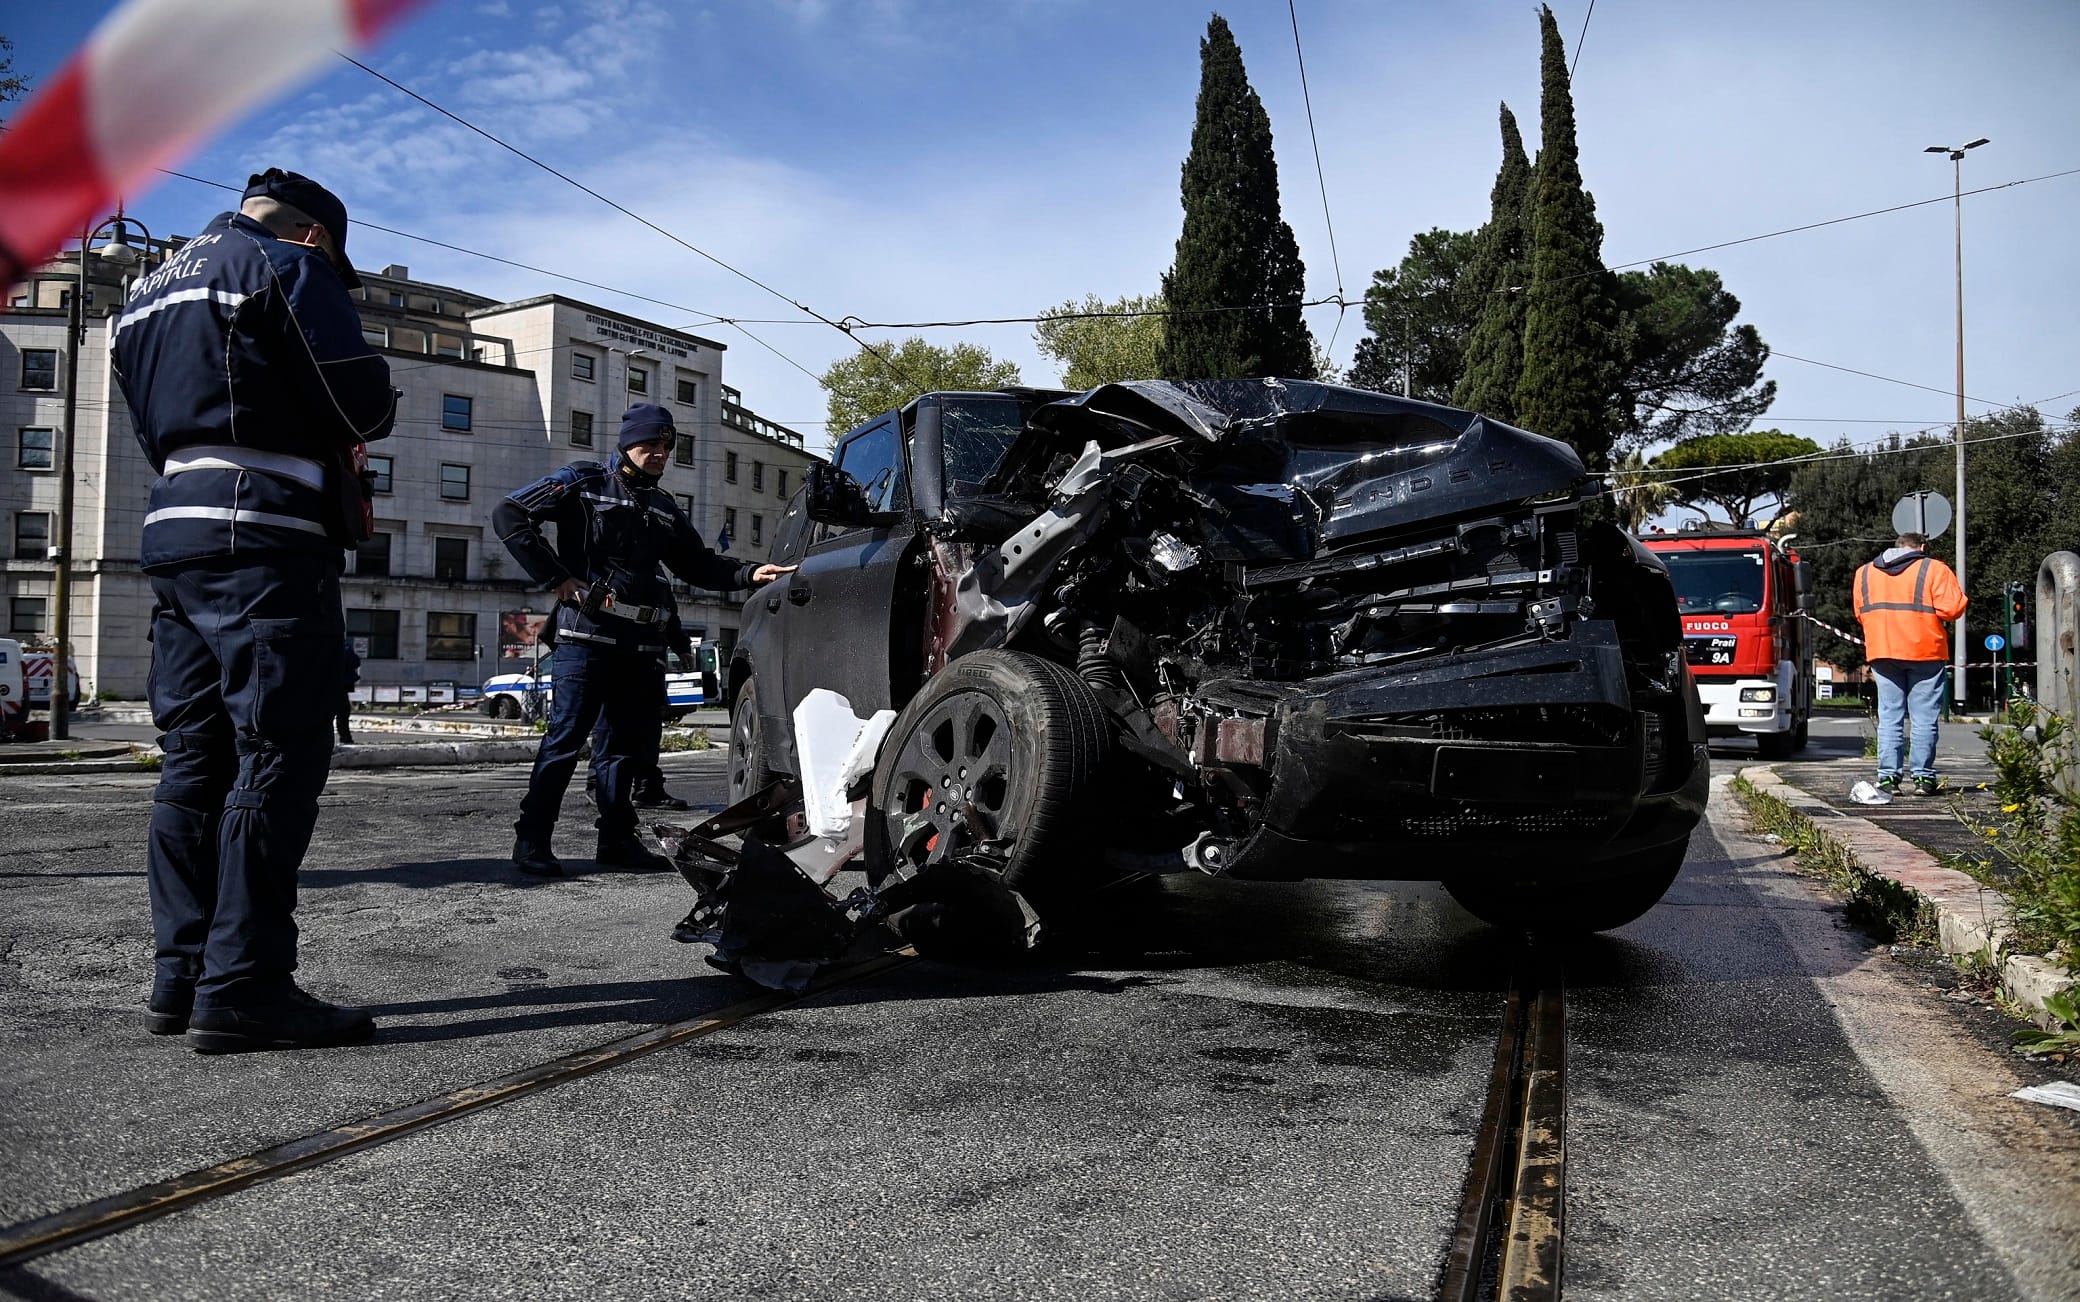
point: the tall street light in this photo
(121, 254)
(1956, 153)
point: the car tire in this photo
(1023, 739)
(508, 708)
(1801, 734)
(1620, 892)
(1776, 745)
(748, 774)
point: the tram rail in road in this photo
(1506, 1243)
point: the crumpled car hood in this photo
(1354, 463)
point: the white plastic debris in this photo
(2059, 1094)
(1867, 793)
(835, 747)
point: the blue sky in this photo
(900, 160)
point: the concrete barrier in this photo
(2058, 649)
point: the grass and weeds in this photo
(685, 739)
(150, 762)
(1880, 905)
(2035, 843)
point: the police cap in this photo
(317, 202)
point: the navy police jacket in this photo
(614, 531)
(250, 385)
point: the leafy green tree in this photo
(1738, 470)
(1494, 359)
(864, 385)
(1236, 287)
(1571, 346)
(11, 87)
(1102, 343)
(1419, 317)
(1686, 368)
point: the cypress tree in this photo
(1495, 349)
(1570, 318)
(1235, 251)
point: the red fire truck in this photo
(1741, 594)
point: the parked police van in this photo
(686, 688)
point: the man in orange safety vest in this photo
(1904, 598)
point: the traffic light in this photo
(2018, 615)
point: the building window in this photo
(34, 450)
(689, 392)
(32, 535)
(455, 412)
(758, 476)
(638, 380)
(397, 298)
(581, 367)
(39, 368)
(581, 429)
(25, 615)
(682, 449)
(780, 478)
(454, 482)
(685, 503)
(375, 336)
(372, 558)
(450, 635)
(451, 558)
(379, 469)
(758, 529)
(729, 467)
(373, 632)
(729, 521)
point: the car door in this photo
(835, 613)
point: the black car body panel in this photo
(1352, 634)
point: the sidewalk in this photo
(1905, 841)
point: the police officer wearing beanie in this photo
(614, 529)
(251, 390)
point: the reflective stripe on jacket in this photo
(1903, 612)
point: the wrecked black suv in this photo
(1264, 629)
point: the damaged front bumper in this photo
(1473, 760)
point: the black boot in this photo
(535, 858)
(290, 1019)
(169, 1008)
(626, 850)
(652, 795)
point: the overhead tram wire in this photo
(1342, 304)
(1576, 62)
(683, 243)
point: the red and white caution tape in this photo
(1840, 633)
(155, 80)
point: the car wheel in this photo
(748, 774)
(999, 747)
(1801, 734)
(1620, 892)
(508, 708)
(1776, 745)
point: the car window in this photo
(974, 435)
(875, 459)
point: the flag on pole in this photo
(722, 540)
(155, 80)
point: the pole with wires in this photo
(1956, 154)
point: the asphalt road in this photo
(1235, 1091)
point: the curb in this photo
(1971, 919)
(421, 754)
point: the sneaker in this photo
(626, 850)
(1888, 786)
(1926, 786)
(658, 798)
(167, 1013)
(535, 858)
(292, 1019)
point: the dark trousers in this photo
(616, 688)
(245, 659)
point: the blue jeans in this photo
(246, 662)
(1908, 691)
(617, 688)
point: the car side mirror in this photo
(835, 497)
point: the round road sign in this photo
(1995, 641)
(1926, 512)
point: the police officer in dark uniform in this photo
(614, 529)
(252, 390)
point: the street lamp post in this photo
(122, 254)
(1956, 153)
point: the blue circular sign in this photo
(1995, 641)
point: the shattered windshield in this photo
(975, 433)
(1726, 583)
